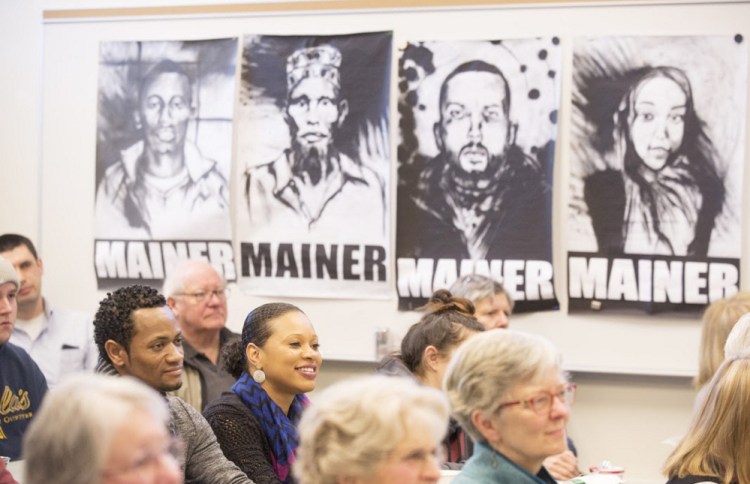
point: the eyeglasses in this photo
(202, 296)
(174, 452)
(541, 403)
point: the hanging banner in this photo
(656, 172)
(478, 127)
(164, 139)
(313, 150)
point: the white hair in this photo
(738, 341)
(68, 440)
(352, 426)
(485, 368)
(178, 277)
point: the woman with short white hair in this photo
(508, 391)
(96, 429)
(370, 430)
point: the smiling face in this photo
(290, 358)
(155, 353)
(524, 436)
(8, 310)
(658, 126)
(30, 270)
(473, 127)
(314, 111)
(164, 111)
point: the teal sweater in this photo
(488, 466)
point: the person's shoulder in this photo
(228, 335)
(691, 479)
(393, 365)
(227, 402)
(13, 353)
(18, 362)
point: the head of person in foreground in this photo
(96, 429)
(372, 430)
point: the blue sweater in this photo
(22, 387)
(488, 466)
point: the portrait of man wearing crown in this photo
(313, 186)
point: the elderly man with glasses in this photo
(197, 295)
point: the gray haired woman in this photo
(509, 393)
(96, 429)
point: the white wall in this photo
(621, 418)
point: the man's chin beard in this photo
(309, 161)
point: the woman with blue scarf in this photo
(275, 363)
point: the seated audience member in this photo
(372, 430)
(493, 306)
(492, 302)
(138, 336)
(275, 364)
(716, 446)
(738, 341)
(115, 431)
(508, 392)
(718, 320)
(426, 350)
(22, 385)
(197, 295)
(60, 342)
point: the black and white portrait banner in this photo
(657, 147)
(478, 122)
(313, 153)
(164, 148)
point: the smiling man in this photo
(162, 179)
(313, 185)
(60, 342)
(481, 197)
(197, 295)
(22, 384)
(138, 336)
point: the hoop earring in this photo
(259, 376)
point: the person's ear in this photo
(137, 120)
(117, 354)
(486, 426)
(343, 112)
(437, 131)
(40, 264)
(172, 303)
(431, 357)
(254, 355)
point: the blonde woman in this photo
(718, 320)
(372, 430)
(716, 447)
(738, 341)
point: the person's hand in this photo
(5, 477)
(562, 466)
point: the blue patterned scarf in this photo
(280, 429)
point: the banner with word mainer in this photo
(657, 150)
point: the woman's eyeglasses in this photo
(541, 403)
